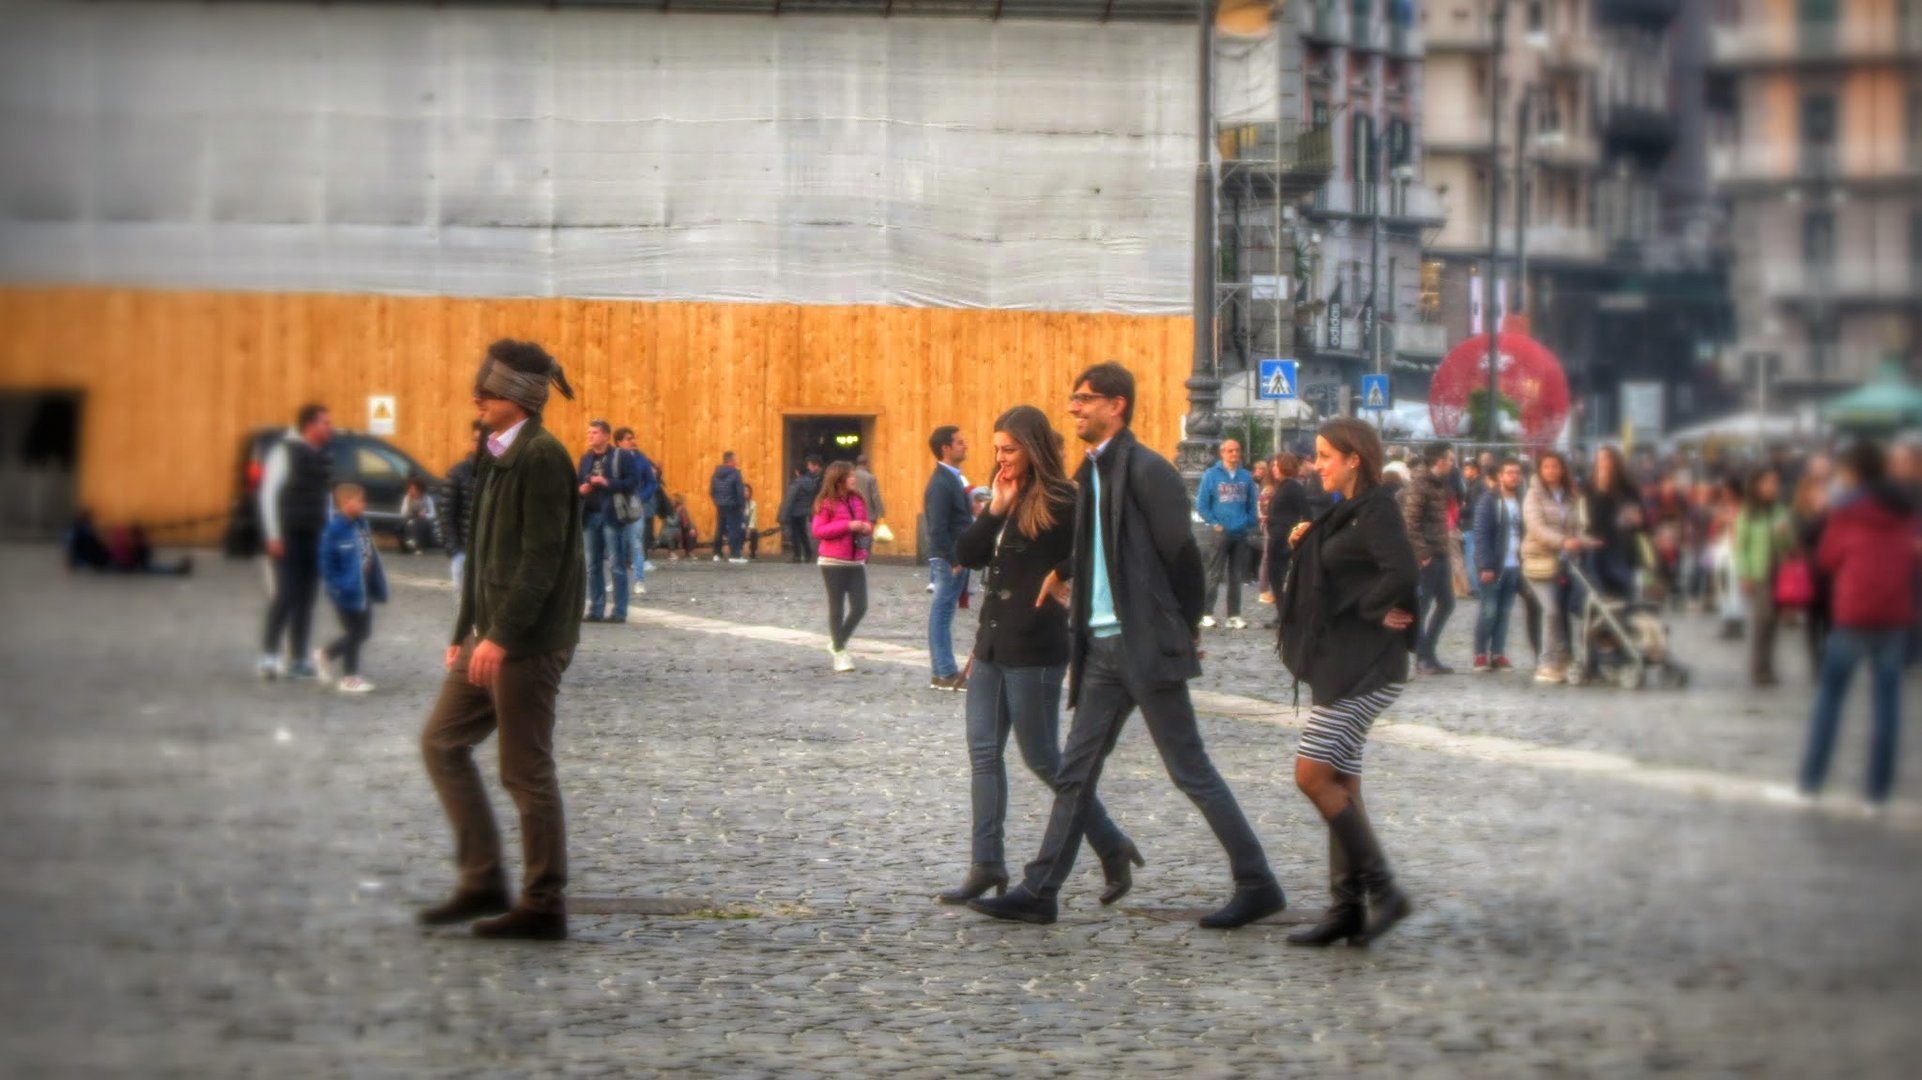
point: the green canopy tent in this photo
(1888, 402)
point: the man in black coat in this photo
(1134, 611)
(797, 511)
(455, 507)
(946, 514)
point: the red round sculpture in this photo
(1528, 375)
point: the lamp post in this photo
(1492, 279)
(1202, 430)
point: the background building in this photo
(745, 232)
(1615, 238)
(1819, 155)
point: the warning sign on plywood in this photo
(380, 414)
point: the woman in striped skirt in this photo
(1347, 625)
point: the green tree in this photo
(1475, 428)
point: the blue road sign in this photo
(1374, 392)
(1278, 380)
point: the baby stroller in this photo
(1624, 642)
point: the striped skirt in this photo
(1336, 732)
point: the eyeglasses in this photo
(1083, 399)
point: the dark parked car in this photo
(373, 463)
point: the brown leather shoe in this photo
(524, 925)
(466, 907)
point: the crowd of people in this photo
(1093, 577)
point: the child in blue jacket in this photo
(351, 570)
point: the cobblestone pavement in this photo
(215, 876)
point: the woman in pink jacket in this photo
(841, 525)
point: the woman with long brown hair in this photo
(1551, 532)
(1347, 625)
(842, 526)
(1021, 649)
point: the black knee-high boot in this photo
(1386, 903)
(1345, 916)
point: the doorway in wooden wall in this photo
(39, 458)
(831, 438)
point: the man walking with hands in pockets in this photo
(520, 618)
(1132, 619)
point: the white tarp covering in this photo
(621, 153)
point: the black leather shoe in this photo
(523, 925)
(1019, 905)
(981, 878)
(1114, 866)
(591, 618)
(1245, 907)
(466, 907)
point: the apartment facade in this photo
(1818, 152)
(1604, 240)
(1326, 202)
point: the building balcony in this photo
(1802, 367)
(1471, 33)
(1752, 168)
(1400, 204)
(1416, 340)
(1786, 42)
(1567, 149)
(1571, 52)
(1848, 283)
(1644, 120)
(1405, 39)
(1368, 32)
(1327, 22)
(1331, 335)
(1570, 243)
(1643, 12)
(1463, 131)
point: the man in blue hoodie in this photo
(1226, 501)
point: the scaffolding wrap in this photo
(624, 154)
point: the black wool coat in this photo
(1154, 565)
(1353, 566)
(1013, 631)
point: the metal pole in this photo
(1492, 281)
(1203, 434)
(1521, 202)
(1374, 252)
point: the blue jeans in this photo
(1026, 700)
(605, 542)
(1436, 603)
(1468, 560)
(636, 548)
(729, 528)
(1498, 600)
(947, 591)
(1884, 650)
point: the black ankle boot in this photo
(981, 878)
(1114, 865)
(1019, 905)
(1387, 904)
(1246, 906)
(1345, 916)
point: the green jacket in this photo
(524, 585)
(1762, 541)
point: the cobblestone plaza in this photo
(212, 876)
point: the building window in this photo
(1536, 18)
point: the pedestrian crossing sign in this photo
(1374, 392)
(1277, 379)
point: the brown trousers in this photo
(521, 705)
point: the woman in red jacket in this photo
(1868, 554)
